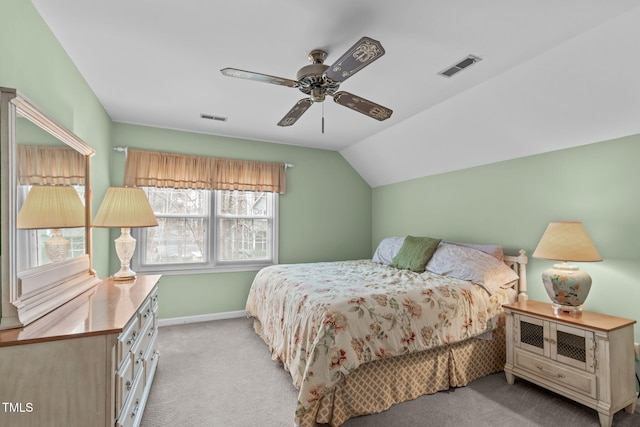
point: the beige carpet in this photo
(219, 374)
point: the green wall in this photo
(325, 214)
(511, 203)
(32, 61)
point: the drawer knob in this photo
(553, 374)
(136, 409)
(132, 339)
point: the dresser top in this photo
(104, 309)
(588, 319)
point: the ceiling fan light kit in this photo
(318, 80)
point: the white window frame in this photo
(211, 263)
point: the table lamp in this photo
(52, 207)
(125, 208)
(566, 285)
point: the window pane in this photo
(170, 201)
(243, 239)
(243, 203)
(208, 230)
(176, 241)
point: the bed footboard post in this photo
(522, 286)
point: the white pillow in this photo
(470, 264)
(387, 250)
(493, 250)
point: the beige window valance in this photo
(170, 170)
(50, 165)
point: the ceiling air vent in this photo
(211, 117)
(469, 60)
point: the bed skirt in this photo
(377, 385)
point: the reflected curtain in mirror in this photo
(50, 165)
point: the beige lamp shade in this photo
(566, 241)
(566, 285)
(51, 207)
(125, 207)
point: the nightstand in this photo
(587, 358)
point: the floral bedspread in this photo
(323, 320)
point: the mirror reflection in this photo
(50, 198)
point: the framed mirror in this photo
(45, 212)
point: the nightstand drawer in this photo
(566, 377)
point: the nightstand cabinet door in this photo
(572, 346)
(569, 345)
(532, 334)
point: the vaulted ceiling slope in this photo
(553, 74)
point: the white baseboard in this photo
(201, 318)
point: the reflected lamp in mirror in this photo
(125, 208)
(52, 207)
(566, 285)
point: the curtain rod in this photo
(124, 150)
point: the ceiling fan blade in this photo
(294, 114)
(362, 105)
(250, 75)
(361, 54)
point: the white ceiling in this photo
(554, 74)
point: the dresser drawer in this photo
(134, 405)
(146, 310)
(566, 377)
(124, 383)
(142, 342)
(127, 339)
(154, 299)
(151, 359)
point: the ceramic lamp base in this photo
(125, 247)
(574, 310)
(567, 286)
(57, 247)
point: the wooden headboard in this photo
(519, 265)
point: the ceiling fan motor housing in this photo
(312, 79)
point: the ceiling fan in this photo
(319, 80)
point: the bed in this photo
(359, 336)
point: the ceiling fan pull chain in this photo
(323, 118)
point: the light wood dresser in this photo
(88, 363)
(588, 358)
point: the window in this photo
(208, 230)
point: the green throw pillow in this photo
(415, 253)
